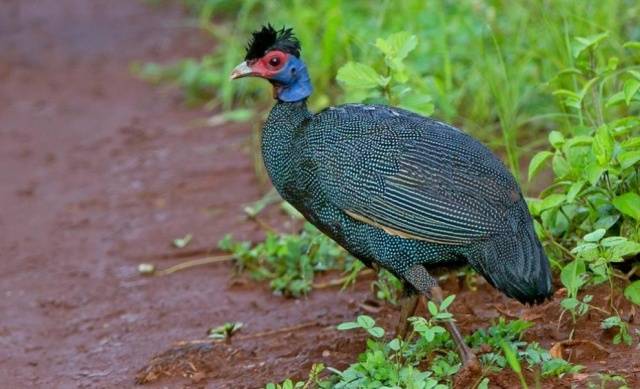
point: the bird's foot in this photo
(468, 373)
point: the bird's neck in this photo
(282, 131)
(292, 84)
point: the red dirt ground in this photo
(100, 172)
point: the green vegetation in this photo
(427, 359)
(589, 217)
(289, 261)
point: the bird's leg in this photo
(467, 356)
(408, 305)
(422, 281)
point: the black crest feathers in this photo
(268, 38)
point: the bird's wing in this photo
(420, 179)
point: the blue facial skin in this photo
(293, 81)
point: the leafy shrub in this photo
(590, 215)
(394, 84)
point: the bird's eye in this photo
(275, 61)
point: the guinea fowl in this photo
(395, 189)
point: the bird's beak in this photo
(242, 70)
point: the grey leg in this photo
(408, 307)
(467, 356)
(428, 286)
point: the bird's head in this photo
(275, 56)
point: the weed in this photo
(311, 382)
(224, 331)
(605, 379)
(288, 261)
(622, 327)
(387, 287)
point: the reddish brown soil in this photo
(101, 171)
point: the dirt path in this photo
(99, 172)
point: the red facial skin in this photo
(269, 65)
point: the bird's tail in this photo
(515, 263)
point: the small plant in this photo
(574, 277)
(391, 364)
(289, 261)
(311, 382)
(366, 323)
(387, 287)
(513, 362)
(224, 331)
(183, 242)
(391, 85)
(622, 335)
(619, 382)
(535, 355)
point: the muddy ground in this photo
(100, 172)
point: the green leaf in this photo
(583, 43)
(397, 46)
(552, 201)
(628, 158)
(632, 45)
(419, 103)
(348, 326)
(624, 249)
(595, 235)
(614, 99)
(556, 139)
(572, 276)
(603, 145)
(537, 161)
(560, 165)
(630, 88)
(592, 172)
(569, 303)
(634, 73)
(632, 292)
(574, 189)
(606, 222)
(395, 344)
(631, 143)
(628, 204)
(511, 357)
(447, 302)
(579, 140)
(433, 308)
(355, 75)
(376, 332)
(365, 321)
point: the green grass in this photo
(486, 64)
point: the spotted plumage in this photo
(399, 190)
